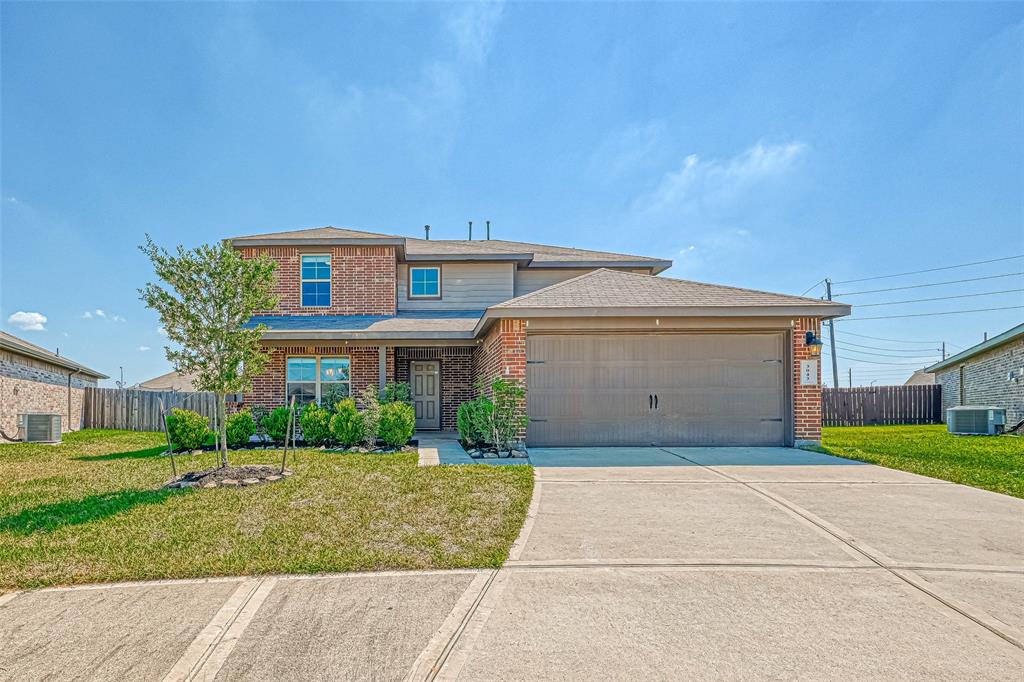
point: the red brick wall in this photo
(456, 376)
(502, 352)
(806, 399)
(362, 279)
(269, 388)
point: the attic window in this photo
(425, 282)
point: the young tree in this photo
(207, 296)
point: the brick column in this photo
(502, 352)
(806, 399)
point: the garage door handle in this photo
(655, 401)
(650, 401)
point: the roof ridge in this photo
(734, 288)
(557, 285)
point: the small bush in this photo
(239, 427)
(347, 423)
(509, 416)
(188, 430)
(396, 392)
(275, 424)
(316, 424)
(473, 421)
(332, 394)
(371, 415)
(397, 423)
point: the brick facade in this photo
(986, 382)
(502, 352)
(806, 399)
(31, 385)
(456, 375)
(269, 388)
(362, 279)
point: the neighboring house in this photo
(990, 373)
(920, 378)
(610, 354)
(172, 381)
(33, 379)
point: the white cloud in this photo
(143, 348)
(28, 321)
(117, 318)
(86, 315)
(100, 313)
(472, 26)
(699, 184)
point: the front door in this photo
(426, 375)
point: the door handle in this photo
(650, 401)
(655, 401)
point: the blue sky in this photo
(765, 146)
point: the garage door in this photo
(656, 389)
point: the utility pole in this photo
(943, 350)
(850, 370)
(832, 337)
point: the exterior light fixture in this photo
(814, 344)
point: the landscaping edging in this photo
(230, 477)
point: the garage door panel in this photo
(712, 388)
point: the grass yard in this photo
(92, 510)
(991, 462)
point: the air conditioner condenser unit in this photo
(976, 420)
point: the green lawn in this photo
(92, 510)
(990, 462)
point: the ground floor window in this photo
(317, 379)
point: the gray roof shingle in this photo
(605, 288)
(23, 347)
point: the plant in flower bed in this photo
(240, 428)
(186, 429)
(491, 424)
(316, 425)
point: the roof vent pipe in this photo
(488, 230)
(426, 228)
(470, 230)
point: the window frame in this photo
(303, 280)
(318, 382)
(425, 297)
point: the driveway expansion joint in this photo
(908, 577)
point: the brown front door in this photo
(426, 393)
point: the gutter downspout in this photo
(71, 374)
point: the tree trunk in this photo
(222, 428)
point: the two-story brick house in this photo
(610, 353)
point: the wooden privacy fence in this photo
(869, 405)
(138, 410)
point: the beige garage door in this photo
(657, 389)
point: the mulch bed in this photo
(230, 477)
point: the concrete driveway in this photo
(715, 564)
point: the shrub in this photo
(240, 427)
(316, 424)
(397, 423)
(396, 392)
(509, 415)
(332, 394)
(347, 423)
(371, 415)
(275, 424)
(188, 430)
(473, 421)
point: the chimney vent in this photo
(470, 230)
(488, 230)
(426, 229)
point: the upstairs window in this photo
(425, 282)
(316, 281)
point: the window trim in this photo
(330, 285)
(440, 282)
(317, 381)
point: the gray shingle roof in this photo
(605, 288)
(314, 234)
(23, 347)
(441, 323)
(1009, 335)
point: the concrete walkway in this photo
(722, 567)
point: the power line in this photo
(950, 312)
(940, 298)
(818, 283)
(879, 338)
(884, 355)
(898, 364)
(918, 272)
(933, 284)
(897, 350)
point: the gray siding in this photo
(985, 381)
(464, 286)
(532, 279)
